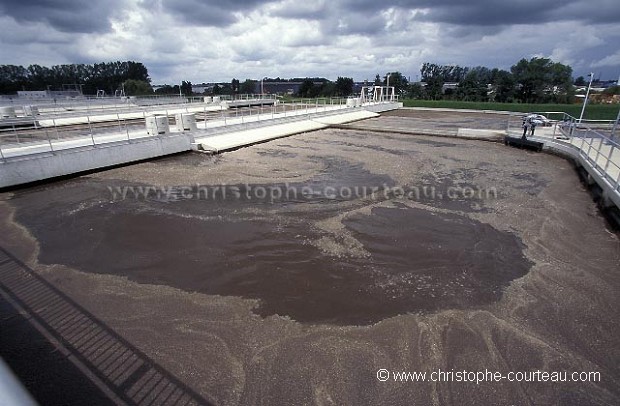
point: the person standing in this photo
(526, 125)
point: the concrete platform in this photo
(223, 142)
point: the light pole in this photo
(585, 101)
(387, 87)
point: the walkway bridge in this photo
(65, 143)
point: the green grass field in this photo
(593, 111)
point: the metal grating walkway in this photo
(124, 371)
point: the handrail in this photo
(53, 132)
(599, 150)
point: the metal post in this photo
(615, 127)
(90, 128)
(598, 153)
(611, 152)
(55, 128)
(585, 101)
(120, 129)
(49, 140)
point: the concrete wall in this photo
(18, 171)
(610, 196)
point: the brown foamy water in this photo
(300, 299)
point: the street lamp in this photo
(585, 101)
(387, 87)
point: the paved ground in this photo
(293, 271)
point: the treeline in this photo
(538, 80)
(107, 76)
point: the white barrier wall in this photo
(71, 161)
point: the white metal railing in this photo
(53, 131)
(601, 151)
(593, 140)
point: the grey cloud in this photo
(214, 13)
(71, 16)
(355, 23)
(482, 12)
(311, 10)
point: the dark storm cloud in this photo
(485, 12)
(491, 13)
(307, 11)
(460, 19)
(215, 13)
(72, 16)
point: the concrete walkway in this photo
(238, 139)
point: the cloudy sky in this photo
(216, 40)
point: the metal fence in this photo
(81, 126)
(595, 141)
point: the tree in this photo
(434, 87)
(398, 81)
(186, 88)
(580, 81)
(343, 87)
(415, 91)
(449, 73)
(540, 80)
(327, 89)
(473, 87)
(562, 83)
(107, 76)
(306, 89)
(503, 86)
(234, 85)
(247, 87)
(167, 89)
(137, 87)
